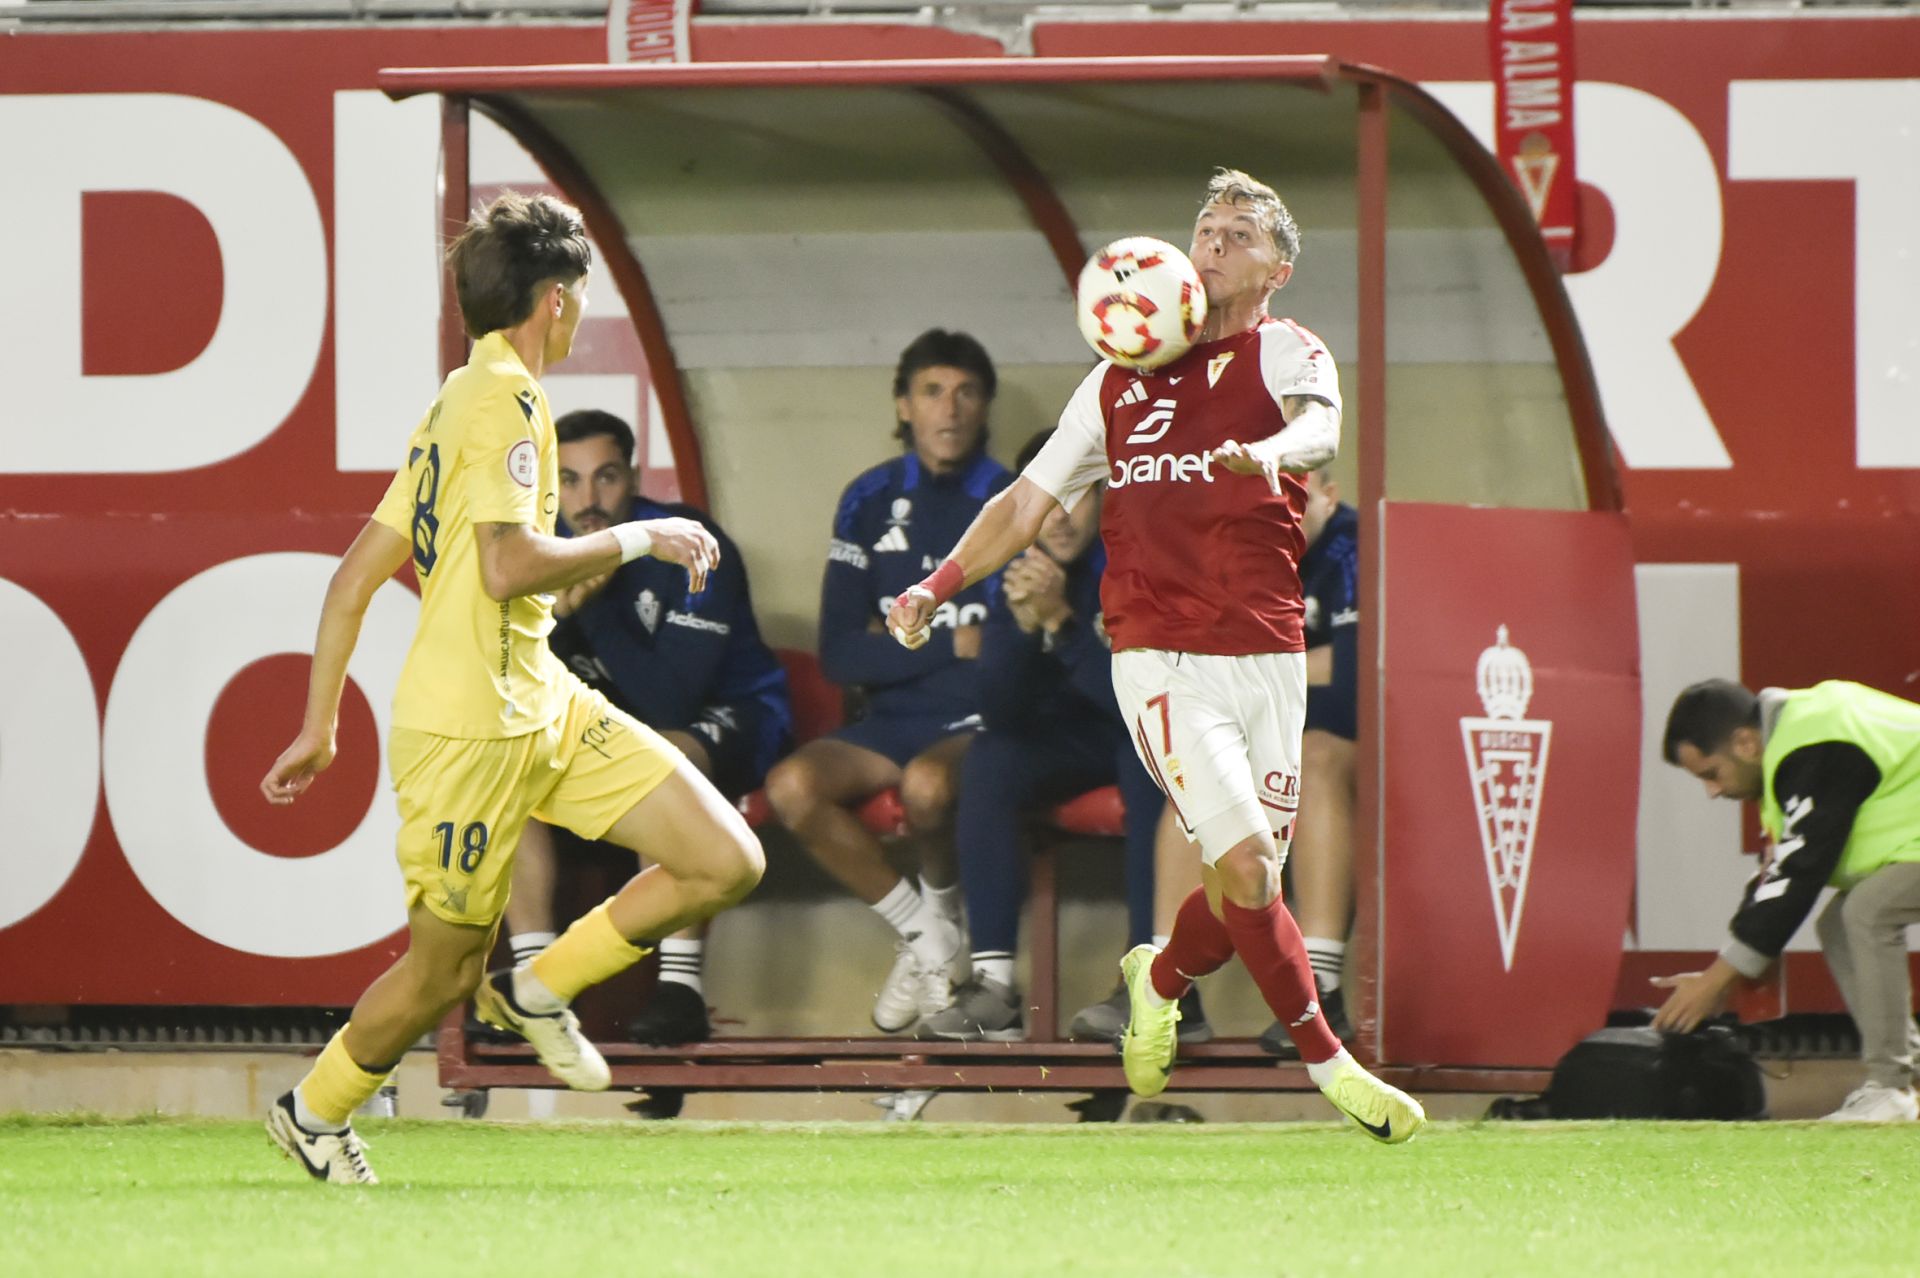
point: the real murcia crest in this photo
(647, 608)
(1535, 164)
(1507, 763)
(1216, 366)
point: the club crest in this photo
(1507, 764)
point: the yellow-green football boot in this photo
(1147, 1046)
(1385, 1112)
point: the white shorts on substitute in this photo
(1221, 737)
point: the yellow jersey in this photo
(485, 453)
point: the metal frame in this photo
(1044, 1061)
(943, 80)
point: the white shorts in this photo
(1221, 737)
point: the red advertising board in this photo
(1512, 731)
(1747, 279)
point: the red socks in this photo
(1268, 942)
(1198, 947)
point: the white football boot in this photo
(556, 1038)
(339, 1158)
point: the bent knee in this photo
(928, 791)
(749, 866)
(793, 790)
(732, 870)
(1249, 872)
(1862, 914)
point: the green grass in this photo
(81, 1197)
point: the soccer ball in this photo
(1140, 302)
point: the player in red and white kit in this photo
(1203, 461)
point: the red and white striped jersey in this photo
(1199, 559)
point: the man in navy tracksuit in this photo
(691, 666)
(1053, 730)
(920, 707)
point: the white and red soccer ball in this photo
(1140, 303)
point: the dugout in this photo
(779, 231)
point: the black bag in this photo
(1644, 1073)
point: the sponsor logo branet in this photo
(1163, 468)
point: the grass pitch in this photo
(480, 1200)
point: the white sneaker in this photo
(339, 1158)
(1874, 1103)
(555, 1036)
(912, 990)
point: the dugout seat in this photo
(819, 708)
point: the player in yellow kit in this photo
(488, 726)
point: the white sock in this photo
(527, 944)
(946, 899)
(531, 995)
(1160, 940)
(994, 965)
(1327, 956)
(1321, 1072)
(928, 933)
(310, 1120)
(680, 963)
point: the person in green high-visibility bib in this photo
(1835, 769)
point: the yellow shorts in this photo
(463, 803)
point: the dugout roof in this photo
(779, 216)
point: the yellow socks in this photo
(336, 1085)
(586, 954)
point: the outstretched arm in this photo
(376, 554)
(516, 560)
(1005, 526)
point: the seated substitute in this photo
(1052, 730)
(1835, 769)
(690, 665)
(921, 707)
(1321, 867)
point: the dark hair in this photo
(589, 423)
(1705, 715)
(1031, 449)
(508, 251)
(938, 348)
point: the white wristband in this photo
(635, 541)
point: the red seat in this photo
(817, 710)
(1097, 812)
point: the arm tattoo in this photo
(1291, 405)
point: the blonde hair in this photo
(1231, 186)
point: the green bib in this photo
(1887, 827)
